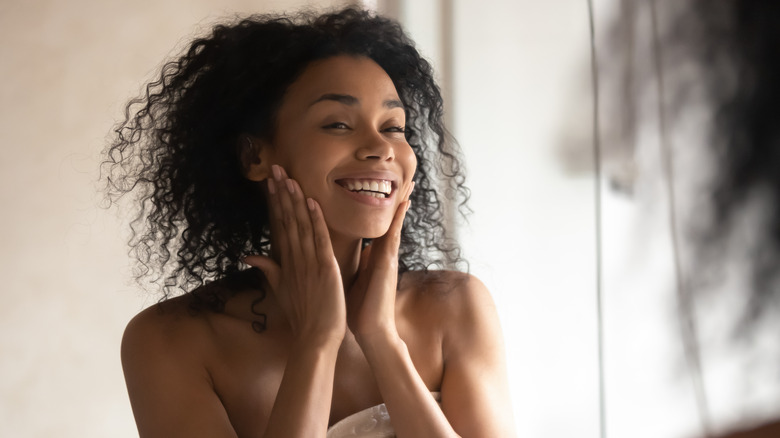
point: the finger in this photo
(279, 237)
(387, 245)
(394, 232)
(409, 191)
(398, 217)
(269, 267)
(291, 253)
(322, 242)
(304, 222)
(365, 256)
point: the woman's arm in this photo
(170, 391)
(475, 387)
(371, 316)
(475, 395)
(302, 405)
(306, 282)
(172, 394)
(413, 411)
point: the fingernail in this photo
(277, 172)
(290, 186)
(408, 204)
(310, 203)
(271, 186)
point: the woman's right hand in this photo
(306, 279)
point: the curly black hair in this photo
(177, 147)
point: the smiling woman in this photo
(341, 124)
(308, 148)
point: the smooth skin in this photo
(341, 334)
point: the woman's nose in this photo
(376, 147)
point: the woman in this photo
(288, 144)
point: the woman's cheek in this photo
(412, 164)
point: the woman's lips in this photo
(375, 192)
(378, 188)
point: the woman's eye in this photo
(336, 125)
(395, 129)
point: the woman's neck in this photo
(347, 252)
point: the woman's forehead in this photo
(357, 77)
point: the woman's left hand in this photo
(371, 299)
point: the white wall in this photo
(531, 236)
(522, 111)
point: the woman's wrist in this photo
(380, 342)
(320, 342)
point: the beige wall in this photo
(67, 68)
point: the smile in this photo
(368, 187)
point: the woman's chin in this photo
(361, 231)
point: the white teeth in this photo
(376, 188)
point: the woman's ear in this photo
(254, 155)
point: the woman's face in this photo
(340, 134)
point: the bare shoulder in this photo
(462, 307)
(455, 302)
(187, 324)
(439, 281)
(165, 351)
(165, 336)
(162, 325)
(474, 386)
(451, 291)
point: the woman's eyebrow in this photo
(350, 100)
(346, 99)
(393, 103)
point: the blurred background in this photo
(517, 79)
